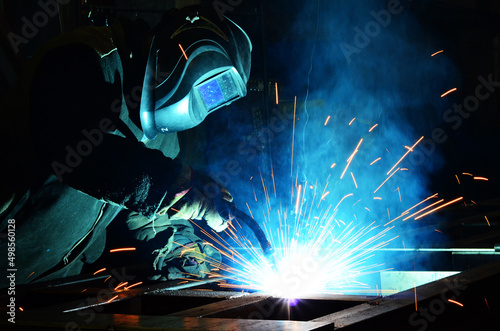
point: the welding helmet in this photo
(197, 63)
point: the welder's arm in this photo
(73, 121)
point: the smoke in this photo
(367, 90)
(368, 60)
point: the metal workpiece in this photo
(461, 299)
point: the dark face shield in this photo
(192, 72)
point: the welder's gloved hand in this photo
(206, 200)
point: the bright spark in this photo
(122, 284)
(183, 53)
(408, 210)
(326, 255)
(276, 92)
(421, 210)
(100, 270)
(442, 206)
(455, 302)
(415, 290)
(448, 92)
(126, 249)
(349, 160)
(327, 119)
(409, 150)
(299, 189)
(434, 54)
(481, 178)
(113, 298)
(321, 246)
(373, 127)
(133, 285)
(354, 180)
(385, 180)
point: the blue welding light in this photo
(212, 94)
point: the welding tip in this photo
(270, 256)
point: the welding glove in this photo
(205, 200)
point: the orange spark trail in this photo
(299, 189)
(276, 91)
(456, 302)
(133, 285)
(378, 159)
(448, 92)
(442, 206)
(349, 160)
(487, 220)
(122, 284)
(433, 54)
(481, 178)
(354, 180)
(266, 193)
(385, 180)
(407, 152)
(406, 211)
(399, 193)
(249, 210)
(122, 249)
(116, 296)
(373, 127)
(100, 270)
(430, 197)
(458, 180)
(183, 53)
(272, 175)
(421, 210)
(415, 289)
(348, 195)
(327, 119)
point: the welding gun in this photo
(240, 216)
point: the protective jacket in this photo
(82, 159)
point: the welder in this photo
(92, 133)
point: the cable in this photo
(307, 90)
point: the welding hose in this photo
(254, 226)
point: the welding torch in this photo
(266, 246)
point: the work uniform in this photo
(82, 160)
